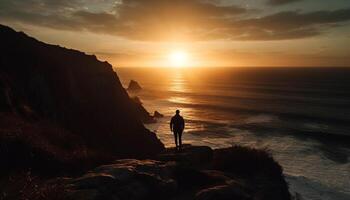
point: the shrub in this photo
(263, 173)
(246, 161)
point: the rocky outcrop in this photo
(134, 86)
(195, 156)
(224, 192)
(126, 179)
(73, 92)
(181, 179)
(157, 114)
(173, 179)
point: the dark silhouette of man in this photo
(177, 125)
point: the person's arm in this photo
(183, 123)
(171, 124)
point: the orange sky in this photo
(210, 33)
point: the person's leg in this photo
(180, 139)
(175, 136)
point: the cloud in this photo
(289, 25)
(176, 20)
(280, 2)
(162, 20)
(282, 25)
(48, 13)
(134, 19)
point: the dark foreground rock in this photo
(194, 156)
(178, 178)
(126, 179)
(224, 192)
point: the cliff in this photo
(45, 88)
(67, 125)
(144, 115)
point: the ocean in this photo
(300, 115)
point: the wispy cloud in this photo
(280, 2)
(159, 20)
(290, 25)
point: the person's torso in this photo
(178, 122)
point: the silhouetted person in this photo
(177, 125)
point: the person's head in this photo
(177, 112)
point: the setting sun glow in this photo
(178, 58)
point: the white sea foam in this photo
(304, 189)
(262, 118)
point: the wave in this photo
(225, 96)
(303, 188)
(254, 111)
(327, 110)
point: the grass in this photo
(42, 146)
(246, 161)
(27, 186)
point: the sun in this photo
(178, 58)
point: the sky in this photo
(210, 33)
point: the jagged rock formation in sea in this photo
(157, 114)
(134, 86)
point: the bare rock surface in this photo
(127, 179)
(223, 192)
(189, 155)
(179, 175)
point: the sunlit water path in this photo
(297, 114)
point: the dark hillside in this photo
(71, 91)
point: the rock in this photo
(134, 86)
(217, 177)
(122, 173)
(194, 156)
(94, 180)
(179, 177)
(130, 179)
(157, 184)
(223, 192)
(188, 178)
(134, 190)
(83, 195)
(157, 114)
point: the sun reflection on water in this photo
(178, 83)
(183, 100)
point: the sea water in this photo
(301, 115)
